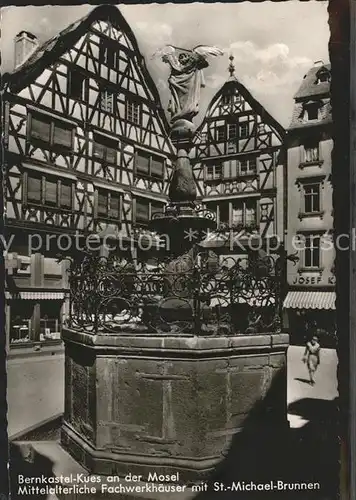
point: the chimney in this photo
(25, 45)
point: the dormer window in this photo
(323, 76)
(311, 111)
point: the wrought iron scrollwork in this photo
(183, 295)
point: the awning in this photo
(35, 295)
(310, 300)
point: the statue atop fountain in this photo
(185, 81)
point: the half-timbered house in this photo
(239, 165)
(310, 303)
(86, 153)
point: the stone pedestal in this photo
(167, 404)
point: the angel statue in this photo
(186, 78)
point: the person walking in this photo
(312, 357)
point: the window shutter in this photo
(142, 163)
(252, 164)
(62, 136)
(102, 203)
(157, 167)
(142, 211)
(40, 129)
(51, 192)
(114, 211)
(66, 196)
(244, 130)
(34, 189)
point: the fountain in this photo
(165, 359)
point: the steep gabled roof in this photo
(310, 87)
(54, 48)
(233, 82)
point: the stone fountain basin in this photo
(168, 403)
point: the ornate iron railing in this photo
(190, 294)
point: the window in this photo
(107, 101)
(311, 198)
(244, 130)
(108, 205)
(232, 131)
(108, 54)
(149, 165)
(50, 322)
(105, 149)
(145, 209)
(31, 322)
(65, 197)
(21, 312)
(34, 189)
(235, 213)
(230, 169)
(50, 132)
(311, 152)
(224, 212)
(76, 86)
(226, 100)
(49, 191)
(244, 213)
(133, 111)
(220, 133)
(312, 251)
(213, 172)
(323, 76)
(248, 166)
(312, 111)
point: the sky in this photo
(273, 43)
